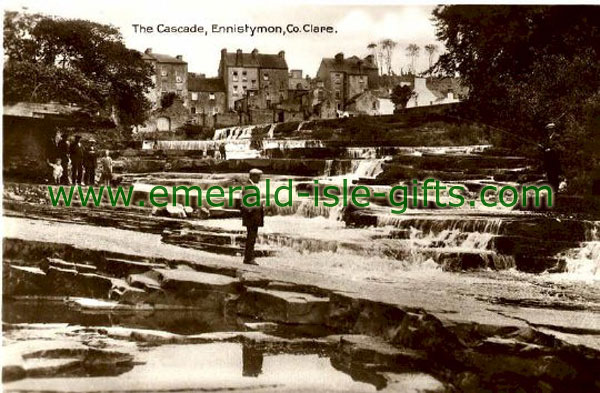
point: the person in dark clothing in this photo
(76, 161)
(90, 159)
(551, 159)
(223, 151)
(252, 216)
(63, 153)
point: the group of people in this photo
(76, 162)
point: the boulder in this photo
(283, 306)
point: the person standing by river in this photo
(551, 158)
(90, 159)
(252, 215)
(76, 153)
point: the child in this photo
(107, 168)
(57, 170)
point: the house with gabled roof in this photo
(170, 76)
(247, 74)
(348, 77)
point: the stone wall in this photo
(27, 145)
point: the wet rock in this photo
(69, 282)
(177, 211)
(261, 326)
(369, 349)
(147, 280)
(13, 366)
(127, 294)
(413, 383)
(24, 281)
(190, 281)
(120, 267)
(280, 306)
(62, 264)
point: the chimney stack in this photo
(238, 57)
(179, 57)
(282, 54)
(254, 52)
(148, 51)
(339, 57)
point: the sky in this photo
(356, 26)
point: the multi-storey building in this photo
(297, 81)
(206, 95)
(347, 78)
(261, 76)
(170, 76)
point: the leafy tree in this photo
(526, 66)
(167, 100)
(76, 62)
(401, 95)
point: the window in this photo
(235, 76)
(178, 79)
(374, 105)
(194, 96)
(193, 109)
(235, 88)
(253, 82)
(164, 72)
(338, 95)
(244, 76)
(266, 76)
(211, 96)
(179, 92)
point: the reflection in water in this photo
(210, 367)
(252, 361)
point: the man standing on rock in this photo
(253, 214)
(551, 158)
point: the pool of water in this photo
(174, 321)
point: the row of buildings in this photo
(253, 88)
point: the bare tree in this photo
(412, 51)
(388, 46)
(431, 49)
(380, 56)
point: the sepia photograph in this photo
(308, 196)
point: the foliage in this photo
(401, 95)
(167, 100)
(542, 66)
(74, 61)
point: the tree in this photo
(431, 49)
(412, 51)
(388, 46)
(372, 48)
(401, 95)
(74, 61)
(373, 51)
(167, 100)
(526, 66)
